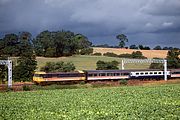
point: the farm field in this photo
(87, 62)
(130, 102)
(146, 53)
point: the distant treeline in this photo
(47, 44)
(137, 47)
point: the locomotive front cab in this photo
(38, 77)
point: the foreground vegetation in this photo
(132, 102)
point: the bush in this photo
(82, 83)
(86, 51)
(125, 55)
(123, 82)
(109, 54)
(58, 67)
(156, 66)
(101, 65)
(138, 54)
(97, 54)
(26, 88)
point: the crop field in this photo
(87, 62)
(116, 103)
(146, 53)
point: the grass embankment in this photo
(131, 102)
(87, 62)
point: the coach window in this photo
(90, 75)
(116, 74)
(95, 75)
(155, 72)
(137, 73)
(102, 74)
(54, 75)
(177, 72)
(125, 74)
(159, 73)
(151, 73)
(59, 75)
(38, 75)
(44, 75)
(146, 73)
(141, 73)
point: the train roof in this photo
(104, 71)
(174, 70)
(123, 71)
(75, 72)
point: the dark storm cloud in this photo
(148, 22)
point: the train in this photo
(99, 75)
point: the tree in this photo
(157, 48)
(80, 44)
(43, 42)
(9, 45)
(133, 47)
(60, 43)
(123, 39)
(173, 59)
(26, 63)
(146, 48)
(141, 47)
(3, 70)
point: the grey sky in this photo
(147, 22)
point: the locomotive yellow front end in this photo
(38, 77)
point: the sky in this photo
(146, 22)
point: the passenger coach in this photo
(107, 74)
(144, 74)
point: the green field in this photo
(85, 62)
(116, 103)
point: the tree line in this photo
(122, 44)
(137, 47)
(47, 44)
